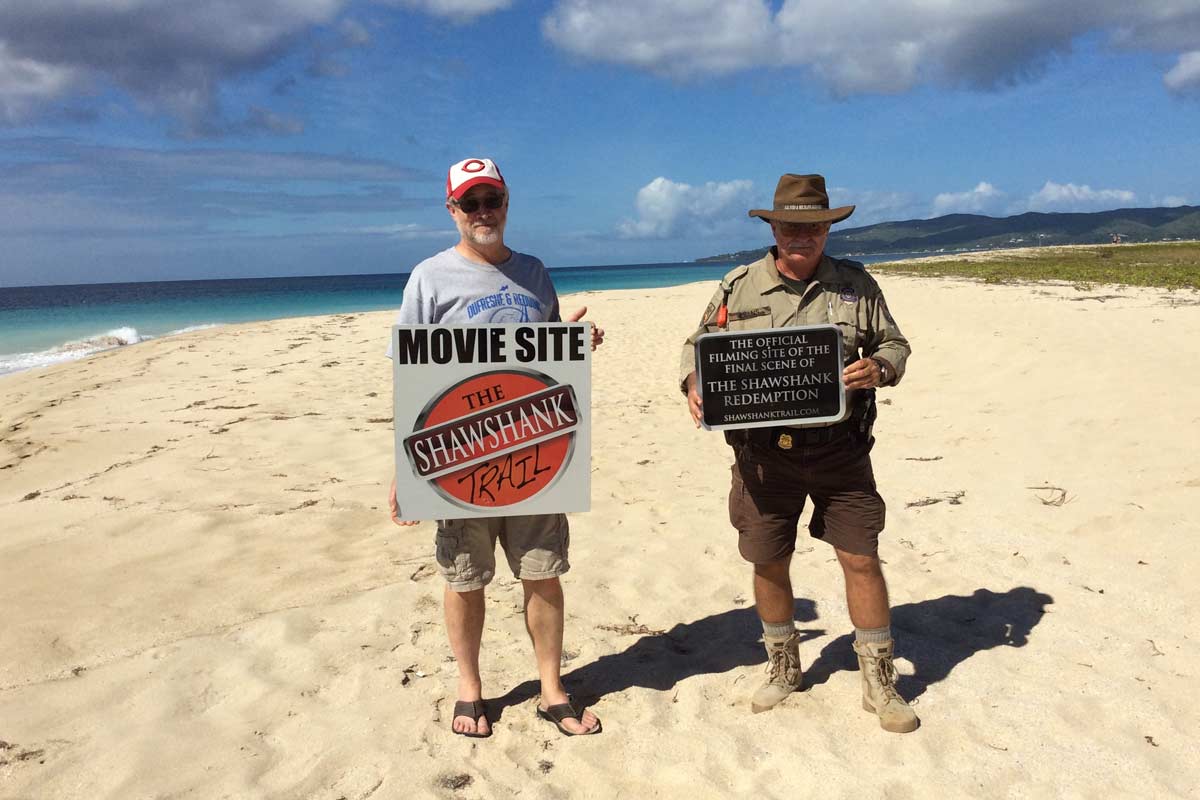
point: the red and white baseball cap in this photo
(472, 172)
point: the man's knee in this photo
(464, 593)
(774, 571)
(542, 587)
(861, 566)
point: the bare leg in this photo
(773, 591)
(866, 590)
(867, 600)
(464, 626)
(544, 612)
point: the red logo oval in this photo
(495, 439)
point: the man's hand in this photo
(862, 374)
(395, 508)
(597, 331)
(695, 404)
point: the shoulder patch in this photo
(708, 312)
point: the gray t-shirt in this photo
(449, 289)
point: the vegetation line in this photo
(1172, 265)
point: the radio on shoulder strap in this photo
(727, 283)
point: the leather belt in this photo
(793, 438)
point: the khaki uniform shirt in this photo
(840, 292)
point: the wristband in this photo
(884, 371)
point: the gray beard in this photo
(485, 239)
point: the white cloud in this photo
(404, 232)
(172, 56)
(1073, 197)
(43, 161)
(1185, 75)
(983, 198)
(455, 10)
(1161, 25)
(25, 82)
(51, 187)
(667, 209)
(56, 212)
(354, 33)
(676, 38)
(261, 119)
(858, 46)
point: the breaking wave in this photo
(81, 348)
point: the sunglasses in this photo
(471, 204)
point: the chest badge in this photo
(848, 295)
(785, 441)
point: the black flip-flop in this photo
(557, 713)
(473, 709)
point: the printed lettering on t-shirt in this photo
(505, 306)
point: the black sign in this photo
(777, 376)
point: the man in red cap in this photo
(778, 469)
(464, 285)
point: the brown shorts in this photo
(535, 545)
(771, 485)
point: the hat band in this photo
(803, 208)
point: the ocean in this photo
(42, 325)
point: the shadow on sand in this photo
(938, 635)
(935, 635)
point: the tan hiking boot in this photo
(784, 675)
(879, 688)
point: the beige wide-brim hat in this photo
(802, 198)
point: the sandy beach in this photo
(203, 596)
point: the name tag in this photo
(754, 312)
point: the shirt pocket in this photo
(845, 316)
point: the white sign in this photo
(492, 420)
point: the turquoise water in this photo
(42, 325)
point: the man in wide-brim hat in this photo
(802, 199)
(778, 468)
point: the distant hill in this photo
(976, 232)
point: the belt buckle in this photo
(784, 441)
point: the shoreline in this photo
(78, 349)
(123, 336)
(125, 314)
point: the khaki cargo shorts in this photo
(536, 548)
(770, 487)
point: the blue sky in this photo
(169, 139)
